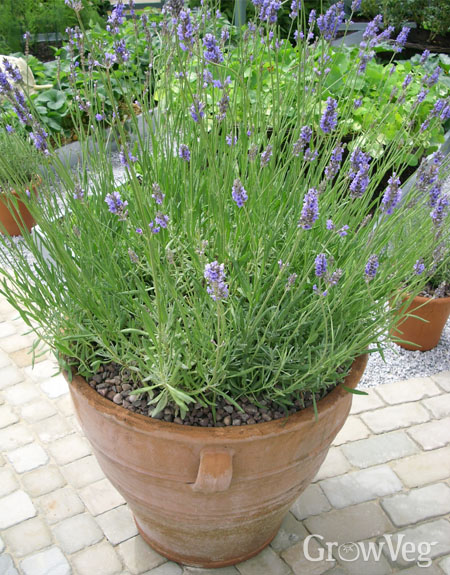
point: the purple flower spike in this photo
(329, 22)
(359, 173)
(266, 155)
(239, 193)
(371, 268)
(310, 210)
(419, 267)
(212, 52)
(303, 141)
(291, 281)
(161, 220)
(400, 41)
(392, 195)
(215, 276)
(98, 117)
(268, 10)
(440, 210)
(185, 30)
(328, 121)
(321, 265)
(157, 194)
(184, 153)
(334, 165)
(116, 205)
(296, 6)
(197, 109)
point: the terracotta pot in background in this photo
(210, 497)
(423, 335)
(8, 213)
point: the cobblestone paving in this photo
(385, 478)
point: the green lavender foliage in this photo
(128, 277)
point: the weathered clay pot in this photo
(423, 335)
(9, 214)
(210, 497)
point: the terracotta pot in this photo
(8, 213)
(210, 497)
(423, 335)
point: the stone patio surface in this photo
(385, 481)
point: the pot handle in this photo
(215, 470)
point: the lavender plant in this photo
(243, 254)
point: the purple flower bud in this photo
(310, 210)
(197, 109)
(212, 52)
(321, 265)
(329, 22)
(214, 274)
(291, 281)
(328, 121)
(157, 194)
(440, 210)
(371, 267)
(419, 267)
(161, 220)
(116, 205)
(266, 155)
(357, 103)
(335, 162)
(184, 153)
(239, 193)
(185, 30)
(303, 141)
(392, 195)
(98, 117)
(296, 6)
(400, 41)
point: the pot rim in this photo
(147, 424)
(423, 300)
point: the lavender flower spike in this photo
(185, 30)
(321, 265)
(328, 121)
(440, 210)
(392, 195)
(310, 210)
(116, 205)
(212, 52)
(419, 267)
(329, 22)
(157, 194)
(400, 41)
(184, 153)
(215, 277)
(266, 155)
(371, 268)
(239, 193)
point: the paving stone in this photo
(138, 556)
(311, 502)
(55, 387)
(379, 449)
(412, 389)
(9, 376)
(354, 523)
(100, 558)
(8, 482)
(27, 457)
(364, 557)
(70, 448)
(367, 402)
(37, 410)
(77, 532)
(442, 379)
(42, 480)
(15, 342)
(427, 467)
(48, 562)
(52, 429)
(412, 542)
(308, 557)
(335, 464)
(361, 486)
(21, 393)
(4, 360)
(395, 417)
(15, 436)
(42, 371)
(14, 508)
(432, 434)
(7, 416)
(100, 497)
(220, 571)
(439, 406)
(24, 357)
(28, 537)
(444, 564)
(267, 561)
(7, 311)
(83, 471)
(418, 504)
(424, 570)
(290, 533)
(2, 545)
(64, 405)
(353, 430)
(7, 565)
(7, 328)
(118, 524)
(168, 568)
(60, 504)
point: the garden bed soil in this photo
(45, 51)
(114, 383)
